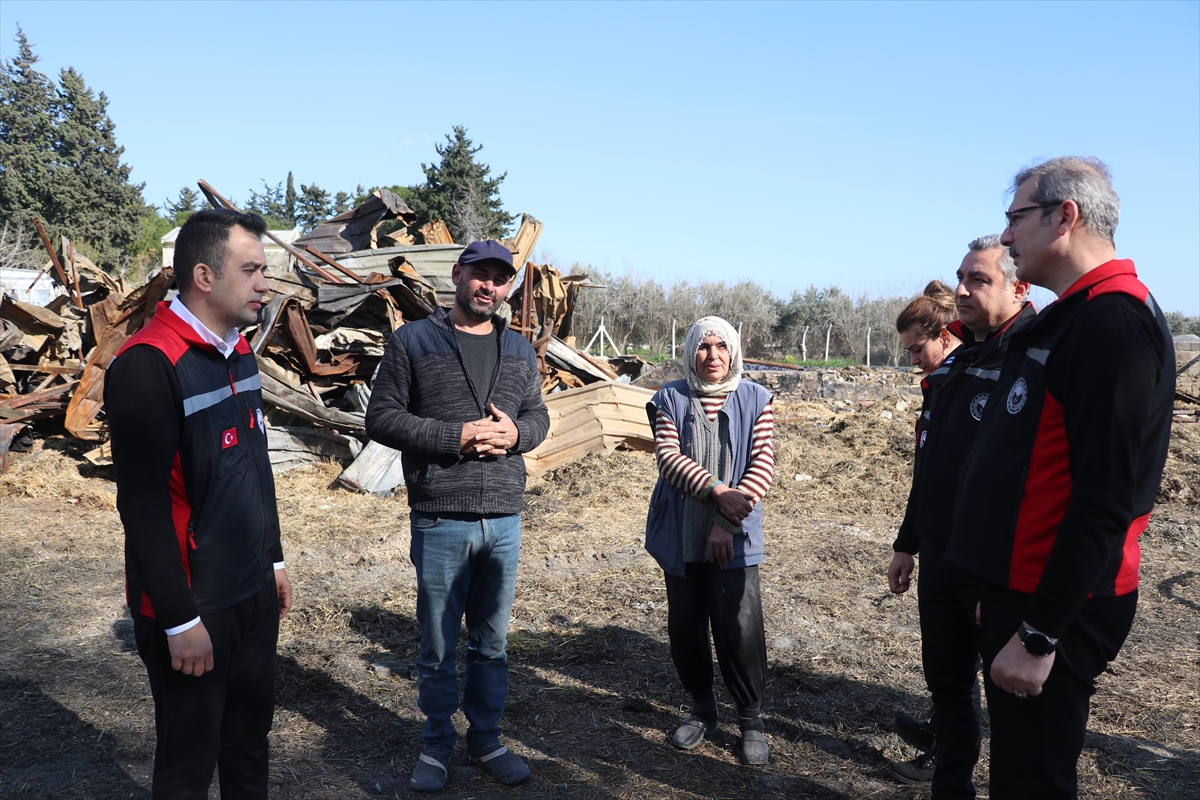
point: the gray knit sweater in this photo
(420, 400)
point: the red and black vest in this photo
(1016, 484)
(221, 485)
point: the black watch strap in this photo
(1036, 643)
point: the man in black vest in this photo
(205, 575)
(991, 305)
(1063, 476)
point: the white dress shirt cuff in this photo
(187, 626)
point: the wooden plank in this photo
(777, 364)
(318, 442)
(436, 232)
(526, 239)
(54, 369)
(305, 406)
(134, 310)
(58, 267)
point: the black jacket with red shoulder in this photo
(959, 391)
(194, 483)
(1067, 463)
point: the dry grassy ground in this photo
(593, 694)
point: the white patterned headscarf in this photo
(703, 328)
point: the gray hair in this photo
(1084, 179)
(992, 242)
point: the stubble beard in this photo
(473, 309)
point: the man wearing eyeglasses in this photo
(991, 308)
(1063, 476)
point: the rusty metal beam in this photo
(527, 300)
(58, 267)
(339, 267)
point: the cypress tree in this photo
(459, 191)
(59, 161)
(92, 199)
(26, 136)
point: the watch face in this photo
(1037, 644)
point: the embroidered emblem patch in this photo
(261, 426)
(229, 438)
(1017, 396)
(923, 435)
(977, 405)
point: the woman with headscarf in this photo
(712, 435)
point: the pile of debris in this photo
(338, 293)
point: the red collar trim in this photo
(1107, 270)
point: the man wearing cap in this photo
(1063, 476)
(460, 397)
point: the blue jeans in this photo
(466, 564)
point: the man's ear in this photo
(1069, 216)
(203, 278)
(455, 274)
(1021, 290)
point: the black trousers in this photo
(729, 600)
(222, 717)
(1036, 742)
(950, 643)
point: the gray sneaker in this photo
(917, 771)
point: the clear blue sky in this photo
(855, 144)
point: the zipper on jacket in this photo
(264, 501)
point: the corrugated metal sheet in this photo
(433, 262)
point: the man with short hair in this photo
(204, 566)
(992, 307)
(460, 397)
(1063, 477)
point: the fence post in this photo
(868, 345)
(804, 345)
(827, 330)
(672, 340)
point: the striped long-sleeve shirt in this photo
(686, 475)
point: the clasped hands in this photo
(735, 505)
(494, 435)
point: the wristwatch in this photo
(1036, 643)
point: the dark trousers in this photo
(1036, 742)
(222, 717)
(949, 651)
(729, 600)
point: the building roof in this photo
(287, 236)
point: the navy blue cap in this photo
(486, 250)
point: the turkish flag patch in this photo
(229, 438)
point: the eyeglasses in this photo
(1008, 215)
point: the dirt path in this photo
(593, 694)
